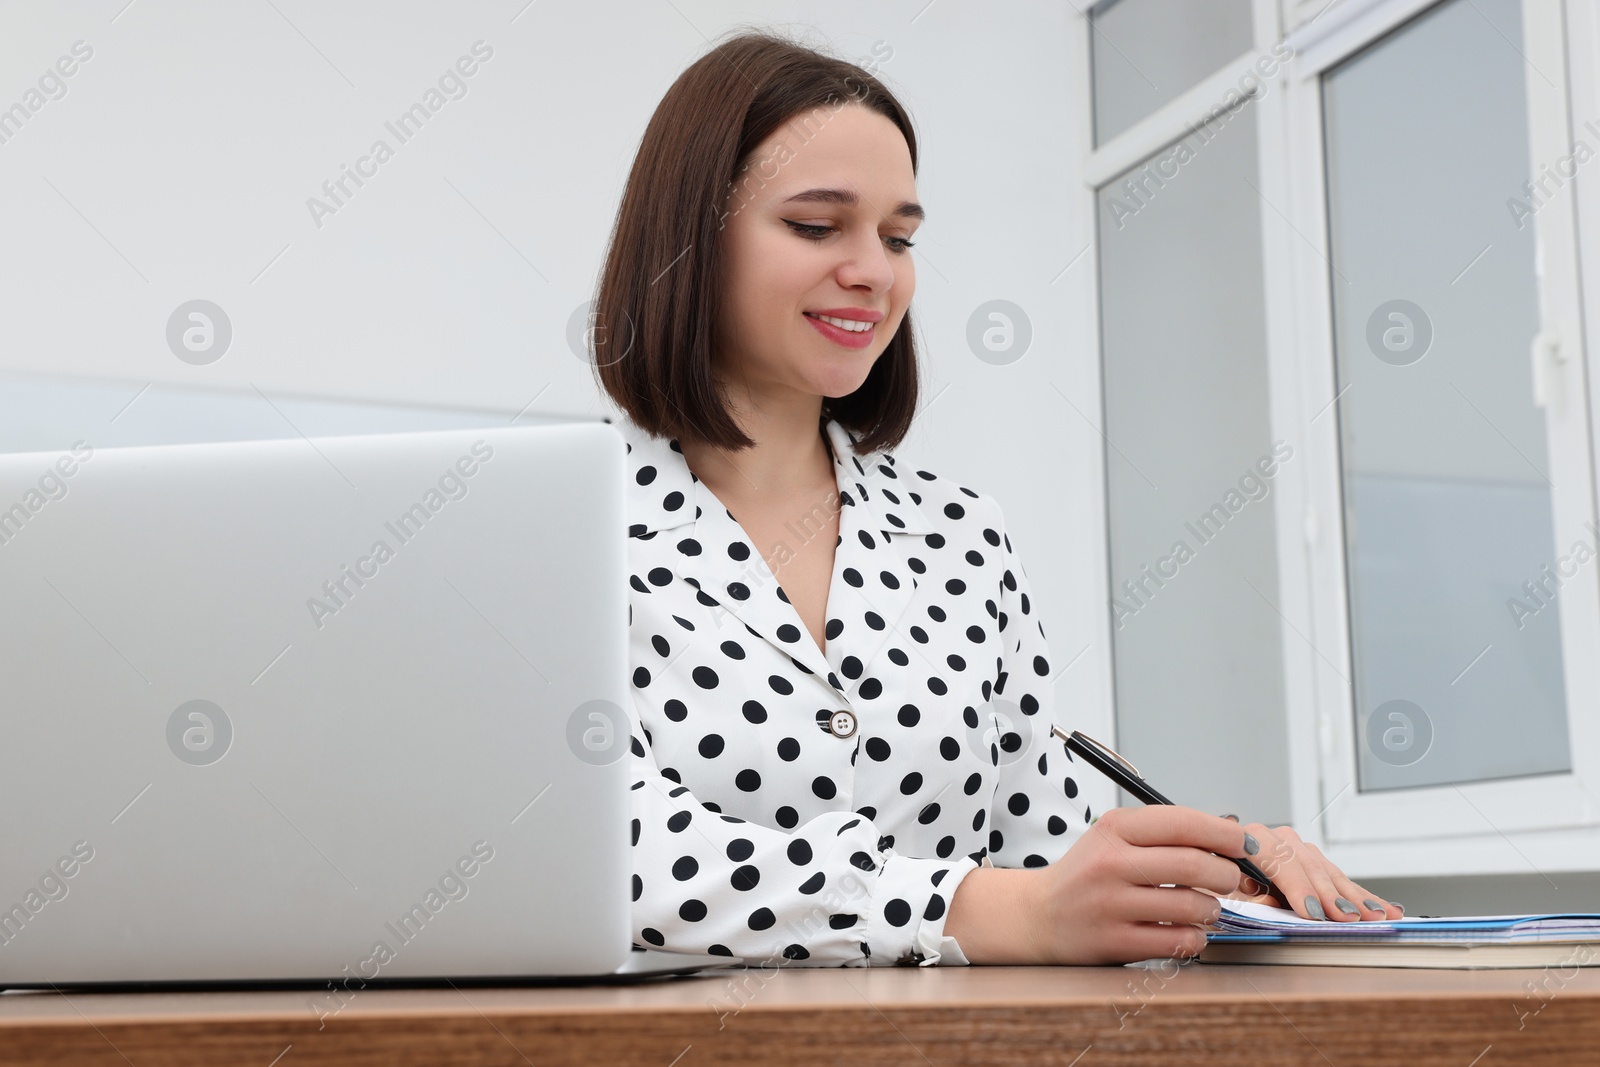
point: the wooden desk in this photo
(1198, 1016)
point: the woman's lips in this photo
(846, 338)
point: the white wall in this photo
(179, 162)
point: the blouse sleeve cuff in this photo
(905, 924)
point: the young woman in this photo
(841, 749)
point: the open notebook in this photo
(1256, 933)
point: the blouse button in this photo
(842, 724)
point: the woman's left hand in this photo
(1313, 887)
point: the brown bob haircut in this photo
(661, 279)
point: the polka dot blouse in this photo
(821, 806)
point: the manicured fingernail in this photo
(1251, 845)
(1235, 818)
(1397, 904)
(1372, 905)
(1346, 907)
(1314, 908)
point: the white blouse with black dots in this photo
(822, 805)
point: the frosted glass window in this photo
(1190, 469)
(1145, 53)
(1447, 498)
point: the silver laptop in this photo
(337, 710)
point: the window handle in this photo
(1546, 354)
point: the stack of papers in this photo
(1257, 933)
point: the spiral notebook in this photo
(1256, 933)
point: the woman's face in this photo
(817, 224)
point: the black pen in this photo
(1125, 774)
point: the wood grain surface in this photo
(1197, 1016)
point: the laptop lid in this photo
(307, 709)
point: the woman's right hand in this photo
(1103, 901)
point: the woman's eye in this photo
(817, 233)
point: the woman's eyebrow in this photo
(908, 209)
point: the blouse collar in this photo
(661, 487)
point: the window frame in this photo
(1380, 832)
(1545, 822)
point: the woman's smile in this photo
(847, 327)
